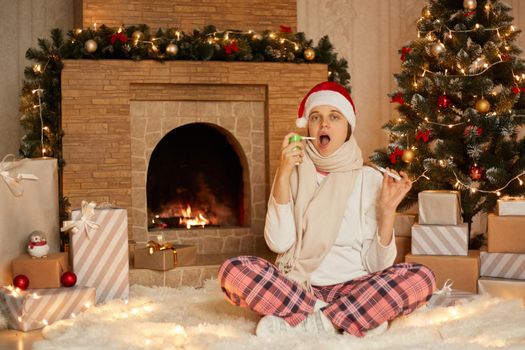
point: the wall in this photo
(21, 23)
(369, 34)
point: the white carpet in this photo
(150, 320)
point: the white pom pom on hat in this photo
(326, 93)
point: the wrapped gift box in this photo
(503, 265)
(463, 271)
(42, 272)
(31, 205)
(452, 298)
(99, 250)
(440, 240)
(439, 208)
(28, 310)
(165, 259)
(511, 206)
(403, 224)
(502, 288)
(403, 248)
(506, 234)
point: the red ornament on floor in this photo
(68, 279)
(21, 282)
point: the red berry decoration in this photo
(21, 282)
(68, 279)
(443, 101)
(475, 172)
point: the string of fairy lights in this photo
(478, 68)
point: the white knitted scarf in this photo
(319, 209)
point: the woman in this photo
(331, 221)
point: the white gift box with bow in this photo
(28, 202)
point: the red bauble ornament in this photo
(68, 279)
(21, 282)
(475, 172)
(443, 101)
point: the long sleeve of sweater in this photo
(279, 228)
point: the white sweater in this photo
(356, 251)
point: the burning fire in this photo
(190, 220)
(183, 216)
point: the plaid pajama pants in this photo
(355, 306)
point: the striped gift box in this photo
(503, 265)
(440, 240)
(100, 254)
(34, 309)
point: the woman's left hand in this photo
(393, 192)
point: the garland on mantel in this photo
(41, 95)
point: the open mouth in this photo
(324, 140)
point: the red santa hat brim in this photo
(327, 93)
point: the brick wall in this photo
(191, 14)
(96, 99)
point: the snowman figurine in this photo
(37, 246)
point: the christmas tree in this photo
(461, 101)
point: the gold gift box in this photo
(165, 257)
(42, 272)
(505, 234)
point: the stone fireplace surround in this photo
(115, 112)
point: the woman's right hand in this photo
(292, 154)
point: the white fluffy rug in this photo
(153, 316)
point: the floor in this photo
(15, 340)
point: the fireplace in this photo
(196, 178)
(117, 115)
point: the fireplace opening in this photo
(197, 177)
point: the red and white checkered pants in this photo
(355, 306)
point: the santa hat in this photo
(327, 93)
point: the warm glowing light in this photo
(87, 305)
(498, 193)
(44, 321)
(95, 26)
(473, 190)
(272, 35)
(179, 335)
(521, 182)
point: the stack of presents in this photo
(438, 238)
(42, 285)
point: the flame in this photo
(190, 220)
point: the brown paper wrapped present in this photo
(165, 257)
(403, 224)
(439, 208)
(511, 206)
(506, 234)
(132, 244)
(462, 270)
(502, 288)
(26, 205)
(403, 248)
(28, 310)
(42, 272)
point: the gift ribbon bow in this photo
(85, 224)
(231, 48)
(13, 183)
(120, 37)
(423, 135)
(447, 288)
(157, 247)
(404, 52)
(393, 156)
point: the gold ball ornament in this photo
(408, 156)
(482, 106)
(90, 46)
(470, 5)
(137, 35)
(437, 48)
(210, 41)
(309, 54)
(426, 12)
(172, 49)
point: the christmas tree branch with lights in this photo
(461, 103)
